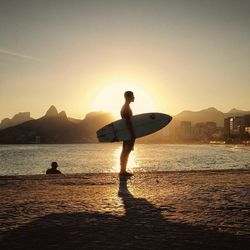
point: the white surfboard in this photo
(143, 124)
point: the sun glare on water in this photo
(132, 162)
(111, 99)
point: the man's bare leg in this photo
(123, 162)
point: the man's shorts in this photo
(128, 145)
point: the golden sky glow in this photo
(176, 55)
(111, 98)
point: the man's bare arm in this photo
(130, 127)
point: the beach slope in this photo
(168, 210)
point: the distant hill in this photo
(15, 120)
(171, 131)
(47, 129)
(52, 112)
(92, 122)
(210, 114)
(55, 127)
(74, 120)
(237, 111)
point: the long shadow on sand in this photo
(142, 227)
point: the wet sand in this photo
(170, 210)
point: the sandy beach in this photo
(168, 210)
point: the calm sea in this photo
(101, 158)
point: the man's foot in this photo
(125, 174)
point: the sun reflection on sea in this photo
(132, 164)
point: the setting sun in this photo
(111, 99)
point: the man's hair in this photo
(128, 94)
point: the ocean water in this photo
(103, 158)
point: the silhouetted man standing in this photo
(127, 146)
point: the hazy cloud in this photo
(13, 53)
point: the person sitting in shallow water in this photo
(53, 169)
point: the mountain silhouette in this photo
(170, 133)
(52, 112)
(17, 119)
(210, 114)
(55, 127)
(74, 120)
(92, 122)
(235, 112)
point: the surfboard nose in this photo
(166, 117)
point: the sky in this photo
(81, 55)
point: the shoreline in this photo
(137, 142)
(182, 210)
(68, 175)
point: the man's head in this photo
(54, 164)
(129, 96)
